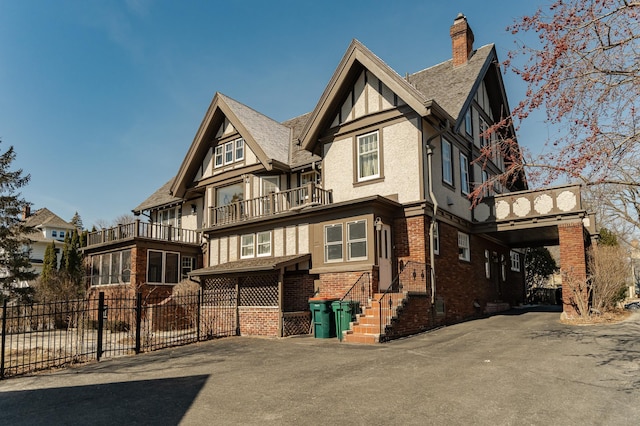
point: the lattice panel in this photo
(219, 291)
(259, 290)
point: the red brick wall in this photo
(411, 239)
(259, 321)
(336, 284)
(573, 263)
(298, 289)
(414, 318)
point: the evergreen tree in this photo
(15, 265)
(49, 264)
(76, 221)
(608, 238)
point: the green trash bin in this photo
(345, 312)
(324, 324)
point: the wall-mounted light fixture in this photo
(378, 223)
(193, 208)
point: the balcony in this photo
(138, 229)
(270, 205)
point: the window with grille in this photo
(368, 156)
(463, 247)
(515, 261)
(447, 163)
(333, 243)
(357, 240)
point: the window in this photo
(229, 194)
(368, 156)
(218, 156)
(229, 152)
(503, 267)
(61, 234)
(487, 264)
(436, 239)
(464, 174)
(308, 177)
(54, 234)
(484, 138)
(111, 268)
(468, 123)
(239, 149)
(357, 240)
(188, 265)
(447, 166)
(264, 243)
(247, 246)
(162, 267)
(515, 261)
(463, 247)
(333, 243)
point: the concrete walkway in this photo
(520, 368)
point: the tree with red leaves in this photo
(585, 74)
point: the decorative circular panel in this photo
(543, 204)
(482, 212)
(502, 209)
(566, 201)
(522, 207)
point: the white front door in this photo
(384, 257)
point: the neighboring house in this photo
(48, 228)
(368, 193)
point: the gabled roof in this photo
(46, 218)
(452, 87)
(268, 139)
(162, 197)
(357, 58)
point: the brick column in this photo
(573, 266)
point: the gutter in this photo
(432, 256)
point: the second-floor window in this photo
(447, 163)
(368, 156)
(229, 152)
(464, 252)
(258, 244)
(464, 174)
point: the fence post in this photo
(138, 320)
(200, 299)
(4, 337)
(100, 324)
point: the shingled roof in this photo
(162, 197)
(451, 87)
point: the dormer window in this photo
(229, 152)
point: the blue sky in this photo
(101, 99)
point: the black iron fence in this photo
(54, 334)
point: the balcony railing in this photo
(270, 204)
(140, 229)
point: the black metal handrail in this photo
(360, 291)
(413, 277)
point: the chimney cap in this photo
(460, 16)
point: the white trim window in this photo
(515, 261)
(188, 265)
(436, 239)
(447, 163)
(333, 243)
(247, 246)
(162, 267)
(264, 243)
(111, 268)
(228, 153)
(368, 156)
(357, 240)
(464, 252)
(464, 174)
(483, 137)
(487, 264)
(219, 157)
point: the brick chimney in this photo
(461, 40)
(26, 212)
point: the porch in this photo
(271, 204)
(139, 229)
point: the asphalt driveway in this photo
(520, 368)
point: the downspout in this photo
(432, 255)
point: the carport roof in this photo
(259, 264)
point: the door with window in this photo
(384, 258)
(269, 188)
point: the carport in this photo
(547, 217)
